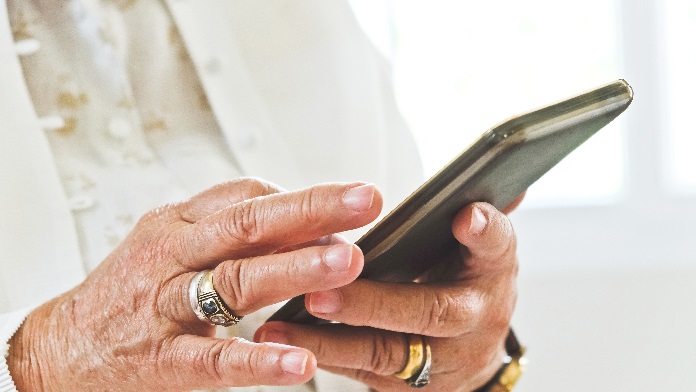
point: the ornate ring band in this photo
(206, 302)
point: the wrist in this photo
(28, 353)
(21, 361)
(511, 370)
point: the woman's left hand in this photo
(464, 318)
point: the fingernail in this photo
(338, 257)
(294, 363)
(328, 301)
(273, 337)
(478, 221)
(325, 240)
(359, 198)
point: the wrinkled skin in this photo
(129, 325)
(463, 311)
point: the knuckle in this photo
(310, 205)
(484, 362)
(152, 235)
(166, 244)
(232, 281)
(474, 305)
(186, 249)
(445, 316)
(500, 315)
(166, 212)
(322, 350)
(150, 216)
(245, 223)
(383, 359)
(374, 311)
(498, 328)
(209, 362)
(363, 376)
(254, 187)
(254, 363)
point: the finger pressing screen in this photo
(224, 195)
(264, 225)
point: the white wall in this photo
(608, 293)
(607, 285)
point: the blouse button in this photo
(51, 123)
(246, 140)
(80, 203)
(213, 65)
(27, 46)
(120, 128)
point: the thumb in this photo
(488, 235)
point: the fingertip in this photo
(298, 362)
(515, 203)
(297, 366)
(338, 258)
(484, 230)
(272, 336)
(360, 197)
(477, 222)
(261, 333)
(338, 239)
(295, 362)
(364, 198)
(377, 201)
(343, 264)
(358, 259)
(324, 302)
(472, 221)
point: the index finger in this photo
(265, 224)
(222, 196)
(484, 290)
(515, 203)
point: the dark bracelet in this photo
(513, 367)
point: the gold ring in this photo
(422, 376)
(206, 301)
(416, 353)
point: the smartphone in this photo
(496, 168)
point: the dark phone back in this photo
(496, 169)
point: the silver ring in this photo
(422, 377)
(206, 302)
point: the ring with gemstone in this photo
(206, 301)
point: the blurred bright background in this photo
(607, 297)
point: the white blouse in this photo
(125, 115)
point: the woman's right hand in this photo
(130, 326)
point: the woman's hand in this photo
(130, 325)
(464, 316)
